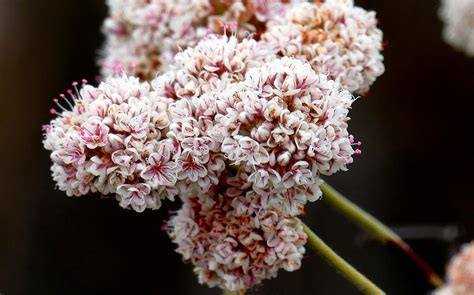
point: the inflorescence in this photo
(239, 128)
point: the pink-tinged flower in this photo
(94, 133)
(69, 150)
(99, 166)
(160, 171)
(126, 159)
(66, 179)
(265, 176)
(460, 273)
(133, 196)
(235, 248)
(190, 169)
(299, 174)
(199, 147)
(251, 151)
(338, 39)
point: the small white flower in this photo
(133, 196)
(190, 168)
(94, 133)
(160, 171)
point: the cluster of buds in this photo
(240, 129)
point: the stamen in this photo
(59, 105)
(78, 94)
(71, 94)
(71, 105)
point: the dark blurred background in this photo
(415, 168)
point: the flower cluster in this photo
(337, 38)
(282, 123)
(195, 83)
(214, 61)
(285, 125)
(239, 128)
(233, 246)
(460, 273)
(113, 141)
(458, 16)
(256, 132)
(144, 35)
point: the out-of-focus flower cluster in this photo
(240, 129)
(460, 273)
(336, 38)
(458, 17)
(144, 35)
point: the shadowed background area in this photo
(415, 168)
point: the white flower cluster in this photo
(285, 125)
(143, 36)
(458, 17)
(235, 249)
(460, 273)
(113, 141)
(337, 38)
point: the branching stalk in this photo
(377, 229)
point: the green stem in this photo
(373, 226)
(337, 262)
(227, 292)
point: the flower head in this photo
(284, 125)
(234, 247)
(112, 140)
(337, 38)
